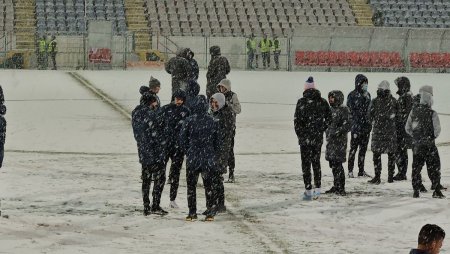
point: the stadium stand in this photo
(6, 16)
(423, 60)
(243, 17)
(414, 13)
(71, 17)
(389, 60)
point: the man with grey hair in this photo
(424, 127)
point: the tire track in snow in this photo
(244, 221)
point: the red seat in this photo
(365, 60)
(342, 58)
(106, 55)
(311, 58)
(376, 59)
(446, 60)
(333, 58)
(437, 60)
(300, 58)
(425, 58)
(323, 57)
(353, 58)
(396, 60)
(414, 60)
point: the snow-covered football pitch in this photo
(70, 182)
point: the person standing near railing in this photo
(276, 52)
(265, 45)
(251, 50)
(42, 53)
(52, 50)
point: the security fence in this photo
(101, 49)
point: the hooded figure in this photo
(358, 102)
(180, 69)
(200, 140)
(336, 152)
(383, 113)
(311, 119)
(231, 99)
(192, 90)
(148, 129)
(424, 126)
(404, 141)
(224, 116)
(218, 69)
(194, 65)
(174, 114)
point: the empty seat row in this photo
(429, 60)
(377, 59)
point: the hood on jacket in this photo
(147, 98)
(338, 98)
(311, 93)
(426, 98)
(181, 52)
(200, 105)
(193, 88)
(226, 84)
(179, 94)
(144, 89)
(2, 109)
(360, 79)
(214, 51)
(403, 85)
(220, 98)
(189, 54)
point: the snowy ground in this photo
(70, 181)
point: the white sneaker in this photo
(173, 205)
(307, 195)
(316, 194)
(350, 175)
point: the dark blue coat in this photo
(148, 128)
(312, 117)
(2, 132)
(358, 102)
(194, 69)
(174, 117)
(200, 139)
(192, 90)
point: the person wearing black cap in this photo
(424, 126)
(311, 119)
(358, 102)
(199, 138)
(336, 135)
(382, 113)
(148, 130)
(404, 141)
(174, 114)
(218, 69)
(153, 88)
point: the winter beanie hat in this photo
(384, 85)
(428, 89)
(220, 98)
(153, 83)
(310, 83)
(225, 83)
(214, 51)
(147, 98)
(180, 94)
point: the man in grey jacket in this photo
(424, 127)
(231, 99)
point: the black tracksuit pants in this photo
(192, 179)
(377, 164)
(310, 155)
(426, 154)
(219, 189)
(158, 173)
(361, 141)
(402, 157)
(176, 156)
(338, 175)
(231, 159)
